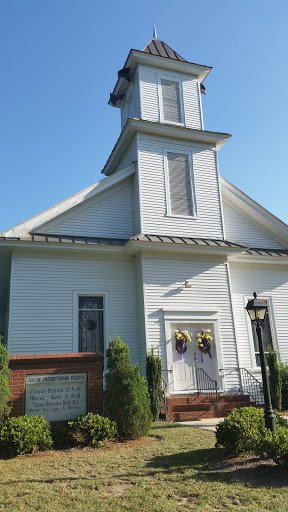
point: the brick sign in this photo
(57, 397)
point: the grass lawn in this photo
(176, 468)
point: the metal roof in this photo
(38, 237)
(120, 242)
(187, 241)
(157, 47)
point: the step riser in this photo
(196, 407)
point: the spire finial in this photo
(154, 33)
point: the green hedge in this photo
(24, 435)
(90, 430)
(243, 430)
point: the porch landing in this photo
(193, 407)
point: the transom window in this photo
(171, 101)
(91, 324)
(180, 193)
(266, 337)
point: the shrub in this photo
(89, 430)
(274, 379)
(154, 381)
(24, 435)
(4, 381)
(277, 446)
(126, 398)
(284, 389)
(243, 430)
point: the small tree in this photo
(4, 381)
(154, 381)
(274, 379)
(284, 388)
(126, 398)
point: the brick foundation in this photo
(22, 365)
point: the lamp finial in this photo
(255, 295)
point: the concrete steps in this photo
(190, 407)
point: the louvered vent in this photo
(171, 101)
(180, 184)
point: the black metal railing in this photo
(165, 399)
(248, 384)
(207, 387)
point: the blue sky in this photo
(59, 62)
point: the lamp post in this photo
(257, 310)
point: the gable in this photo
(241, 229)
(107, 215)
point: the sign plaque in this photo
(56, 396)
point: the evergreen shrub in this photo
(154, 381)
(24, 434)
(126, 398)
(284, 387)
(4, 381)
(243, 430)
(89, 430)
(275, 381)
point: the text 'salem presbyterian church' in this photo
(162, 243)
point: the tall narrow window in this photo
(180, 189)
(171, 102)
(266, 337)
(91, 324)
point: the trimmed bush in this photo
(24, 435)
(284, 387)
(275, 382)
(154, 381)
(243, 430)
(126, 398)
(4, 381)
(277, 446)
(89, 430)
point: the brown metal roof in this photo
(38, 237)
(119, 242)
(187, 241)
(157, 47)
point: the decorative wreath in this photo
(182, 338)
(203, 342)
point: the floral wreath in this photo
(182, 338)
(203, 342)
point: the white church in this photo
(161, 243)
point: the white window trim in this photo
(272, 328)
(75, 298)
(173, 78)
(167, 185)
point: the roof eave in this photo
(133, 126)
(134, 246)
(136, 57)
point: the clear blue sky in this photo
(59, 62)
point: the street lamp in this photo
(257, 310)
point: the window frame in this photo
(85, 293)
(172, 78)
(273, 331)
(191, 181)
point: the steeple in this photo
(154, 33)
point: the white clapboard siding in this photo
(208, 223)
(191, 101)
(170, 92)
(136, 204)
(107, 215)
(269, 282)
(140, 313)
(149, 94)
(241, 229)
(41, 308)
(164, 280)
(130, 157)
(137, 102)
(149, 79)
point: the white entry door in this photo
(183, 376)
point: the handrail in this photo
(249, 383)
(207, 387)
(164, 397)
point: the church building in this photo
(160, 246)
